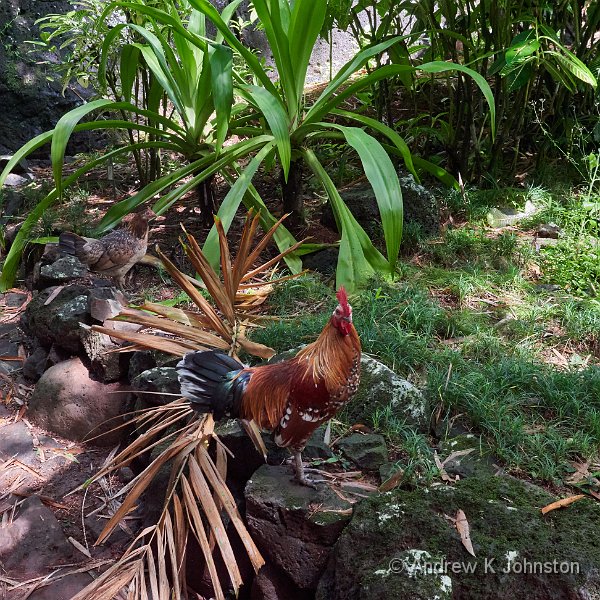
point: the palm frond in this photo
(235, 296)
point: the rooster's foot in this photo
(311, 483)
(301, 477)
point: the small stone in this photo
(20, 168)
(35, 364)
(13, 180)
(15, 299)
(549, 230)
(64, 269)
(159, 380)
(141, 360)
(33, 542)
(67, 401)
(365, 451)
(316, 446)
(9, 347)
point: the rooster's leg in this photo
(300, 475)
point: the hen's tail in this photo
(71, 243)
(213, 382)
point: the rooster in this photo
(115, 253)
(290, 398)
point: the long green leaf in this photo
(358, 259)
(440, 67)
(392, 135)
(573, 65)
(270, 106)
(306, 22)
(283, 238)
(62, 134)
(225, 159)
(231, 203)
(221, 68)
(326, 103)
(271, 19)
(353, 65)
(252, 62)
(384, 180)
(129, 62)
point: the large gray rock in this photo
(58, 322)
(400, 545)
(62, 270)
(34, 542)
(294, 526)
(381, 388)
(421, 207)
(30, 103)
(67, 401)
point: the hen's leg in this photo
(300, 475)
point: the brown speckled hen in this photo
(115, 253)
(290, 398)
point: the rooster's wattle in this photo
(290, 398)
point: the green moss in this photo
(506, 527)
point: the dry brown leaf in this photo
(562, 503)
(440, 466)
(581, 472)
(392, 482)
(456, 455)
(462, 526)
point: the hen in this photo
(115, 253)
(290, 398)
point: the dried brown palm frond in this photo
(236, 295)
(197, 505)
(197, 502)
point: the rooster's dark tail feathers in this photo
(213, 382)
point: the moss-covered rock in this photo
(404, 545)
(381, 388)
(294, 526)
(365, 451)
(466, 455)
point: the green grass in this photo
(475, 334)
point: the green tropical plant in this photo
(295, 124)
(195, 74)
(530, 51)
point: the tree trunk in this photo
(207, 201)
(291, 191)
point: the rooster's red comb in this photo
(342, 297)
